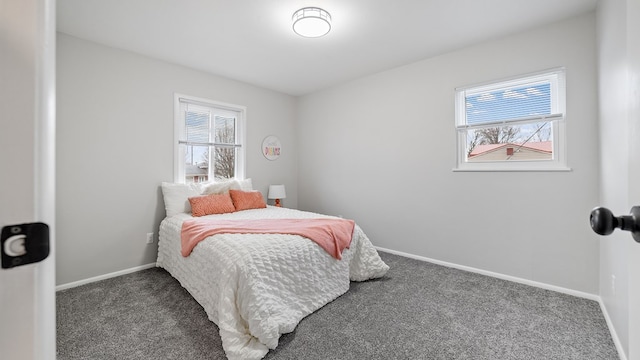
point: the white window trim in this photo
(178, 133)
(559, 161)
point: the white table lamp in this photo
(277, 192)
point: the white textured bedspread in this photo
(256, 287)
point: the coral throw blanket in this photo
(333, 235)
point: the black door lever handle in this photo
(603, 221)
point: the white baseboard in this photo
(559, 289)
(612, 330)
(105, 276)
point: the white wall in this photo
(381, 150)
(115, 146)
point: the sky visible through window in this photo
(509, 104)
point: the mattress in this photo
(256, 287)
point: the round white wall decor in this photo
(271, 147)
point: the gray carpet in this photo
(417, 311)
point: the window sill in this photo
(496, 168)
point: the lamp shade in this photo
(276, 192)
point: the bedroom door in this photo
(27, 177)
(633, 53)
(634, 192)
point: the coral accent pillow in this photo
(245, 200)
(211, 204)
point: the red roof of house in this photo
(543, 146)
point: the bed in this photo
(256, 287)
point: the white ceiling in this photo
(252, 40)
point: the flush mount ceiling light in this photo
(311, 22)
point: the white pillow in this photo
(176, 197)
(223, 186)
(219, 187)
(245, 185)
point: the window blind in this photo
(196, 124)
(204, 128)
(508, 104)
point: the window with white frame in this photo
(512, 125)
(208, 140)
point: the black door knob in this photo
(603, 221)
